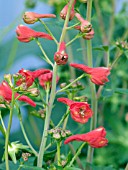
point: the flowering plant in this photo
(40, 89)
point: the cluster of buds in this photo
(25, 156)
(59, 134)
(85, 27)
(122, 44)
(61, 56)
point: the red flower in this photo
(95, 138)
(80, 111)
(46, 78)
(85, 25)
(32, 17)
(98, 75)
(25, 34)
(89, 35)
(63, 13)
(61, 56)
(28, 77)
(6, 93)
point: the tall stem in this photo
(8, 130)
(52, 96)
(92, 86)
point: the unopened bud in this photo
(89, 35)
(8, 78)
(56, 136)
(62, 85)
(33, 92)
(60, 58)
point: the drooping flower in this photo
(85, 26)
(95, 138)
(26, 34)
(80, 111)
(89, 35)
(63, 12)
(32, 17)
(61, 56)
(28, 77)
(6, 93)
(98, 75)
(46, 78)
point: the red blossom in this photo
(26, 34)
(63, 12)
(61, 56)
(95, 138)
(80, 111)
(98, 75)
(32, 17)
(46, 78)
(85, 25)
(6, 93)
(28, 77)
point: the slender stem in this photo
(46, 57)
(8, 130)
(117, 58)
(92, 86)
(77, 158)
(58, 154)
(25, 136)
(66, 21)
(77, 153)
(71, 41)
(48, 30)
(63, 118)
(69, 28)
(52, 95)
(2, 122)
(78, 78)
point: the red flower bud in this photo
(6, 93)
(61, 56)
(46, 78)
(98, 75)
(95, 138)
(32, 17)
(89, 35)
(85, 25)
(25, 34)
(63, 13)
(80, 111)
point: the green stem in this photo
(2, 122)
(25, 136)
(58, 154)
(69, 28)
(92, 86)
(8, 130)
(117, 58)
(52, 96)
(70, 42)
(46, 57)
(48, 30)
(63, 118)
(78, 78)
(77, 153)
(47, 120)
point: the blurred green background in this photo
(110, 22)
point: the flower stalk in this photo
(8, 130)
(92, 86)
(52, 95)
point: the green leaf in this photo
(102, 48)
(121, 91)
(126, 53)
(30, 167)
(11, 165)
